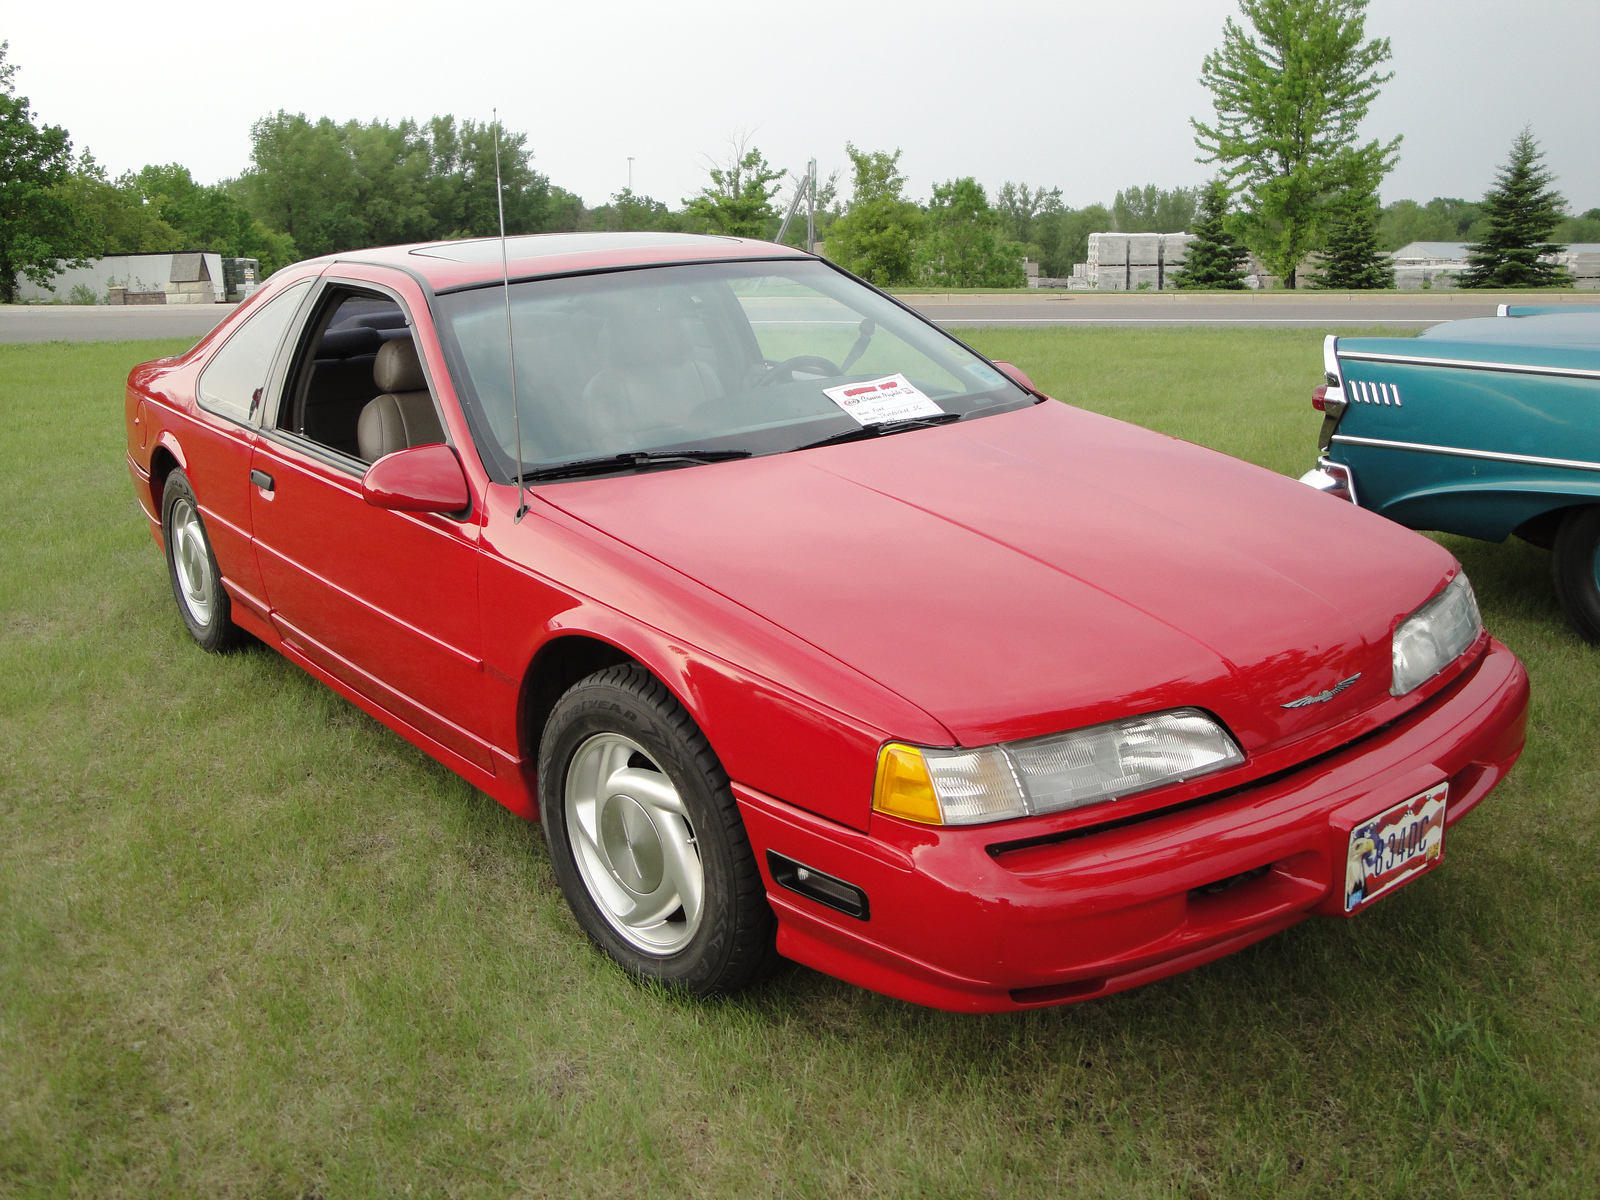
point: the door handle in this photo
(262, 480)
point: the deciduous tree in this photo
(965, 245)
(1521, 210)
(739, 200)
(1441, 219)
(1289, 97)
(41, 233)
(877, 235)
(1021, 208)
(1151, 210)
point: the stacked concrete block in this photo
(1123, 261)
(1175, 248)
(1583, 261)
(1144, 249)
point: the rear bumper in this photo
(957, 924)
(1335, 479)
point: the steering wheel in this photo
(784, 372)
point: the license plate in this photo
(1393, 846)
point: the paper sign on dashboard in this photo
(892, 398)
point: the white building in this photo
(190, 277)
(1437, 264)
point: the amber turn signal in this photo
(903, 787)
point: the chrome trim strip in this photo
(1530, 460)
(1468, 364)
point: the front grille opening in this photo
(1217, 886)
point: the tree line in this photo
(1293, 185)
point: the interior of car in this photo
(359, 387)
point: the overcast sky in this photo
(1088, 97)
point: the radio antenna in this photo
(511, 344)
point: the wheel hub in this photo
(633, 845)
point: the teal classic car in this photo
(1485, 427)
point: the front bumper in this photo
(959, 920)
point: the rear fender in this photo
(1491, 510)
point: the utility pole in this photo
(630, 174)
(805, 190)
(811, 208)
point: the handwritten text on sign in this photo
(892, 398)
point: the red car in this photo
(810, 632)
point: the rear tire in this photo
(203, 602)
(646, 839)
(1575, 564)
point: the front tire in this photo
(1575, 564)
(203, 602)
(646, 839)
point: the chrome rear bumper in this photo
(1334, 478)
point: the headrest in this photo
(397, 369)
(347, 343)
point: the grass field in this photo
(254, 945)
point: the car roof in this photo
(472, 262)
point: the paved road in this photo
(1412, 311)
(43, 323)
(107, 323)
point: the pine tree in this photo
(1354, 257)
(1522, 209)
(1215, 261)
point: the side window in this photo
(358, 385)
(229, 383)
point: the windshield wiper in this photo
(626, 462)
(887, 427)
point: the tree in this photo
(1062, 237)
(302, 180)
(340, 187)
(877, 235)
(116, 214)
(41, 234)
(1215, 259)
(629, 210)
(1151, 210)
(966, 244)
(1021, 208)
(1579, 229)
(1288, 104)
(739, 200)
(1440, 220)
(1354, 257)
(1521, 210)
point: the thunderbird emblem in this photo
(1323, 697)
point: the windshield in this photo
(754, 357)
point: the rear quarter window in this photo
(231, 379)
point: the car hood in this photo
(1045, 569)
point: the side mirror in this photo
(1019, 377)
(420, 479)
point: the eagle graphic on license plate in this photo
(1391, 847)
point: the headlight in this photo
(1430, 639)
(1049, 774)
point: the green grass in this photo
(253, 944)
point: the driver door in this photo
(385, 601)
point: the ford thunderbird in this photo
(806, 631)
